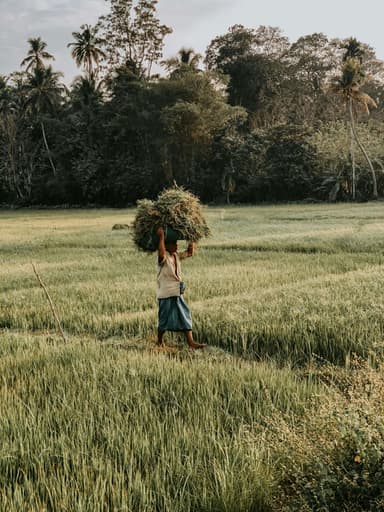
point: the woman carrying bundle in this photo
(174, 314)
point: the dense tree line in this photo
(258, 118)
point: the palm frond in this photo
(364, 100)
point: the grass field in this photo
(283, 295)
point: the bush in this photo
(334, 460)
(290, 164)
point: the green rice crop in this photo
(107, 422)
(106, 427)
(287, 282)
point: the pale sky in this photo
(195, 23)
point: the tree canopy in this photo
(257, 118)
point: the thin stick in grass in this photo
(51, 304)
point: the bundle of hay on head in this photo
(180, 214)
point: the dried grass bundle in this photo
(177, 210)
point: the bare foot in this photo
(195, 344)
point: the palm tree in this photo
(86, 91)
(8, 132)
(353, 50)
(86, 50)
(36, 54)
(5, 96)
(86, 98)
(44, 95)
(186, 60)
(349, 87)
(12, 146)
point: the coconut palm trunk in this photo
(353, 161)
(89, 67)
(47, 148)
(362, 149)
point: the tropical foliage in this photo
(257, 118)
(86, 48)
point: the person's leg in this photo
(161, 324)
(160, 335)
(191, 342)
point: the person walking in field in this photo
(174, 314)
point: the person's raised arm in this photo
(190, 251)
(161, 249)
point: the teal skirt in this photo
(174, 315)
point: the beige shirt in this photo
(169, 276)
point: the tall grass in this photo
(107, 422)
(282, 282)
(96, 427)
